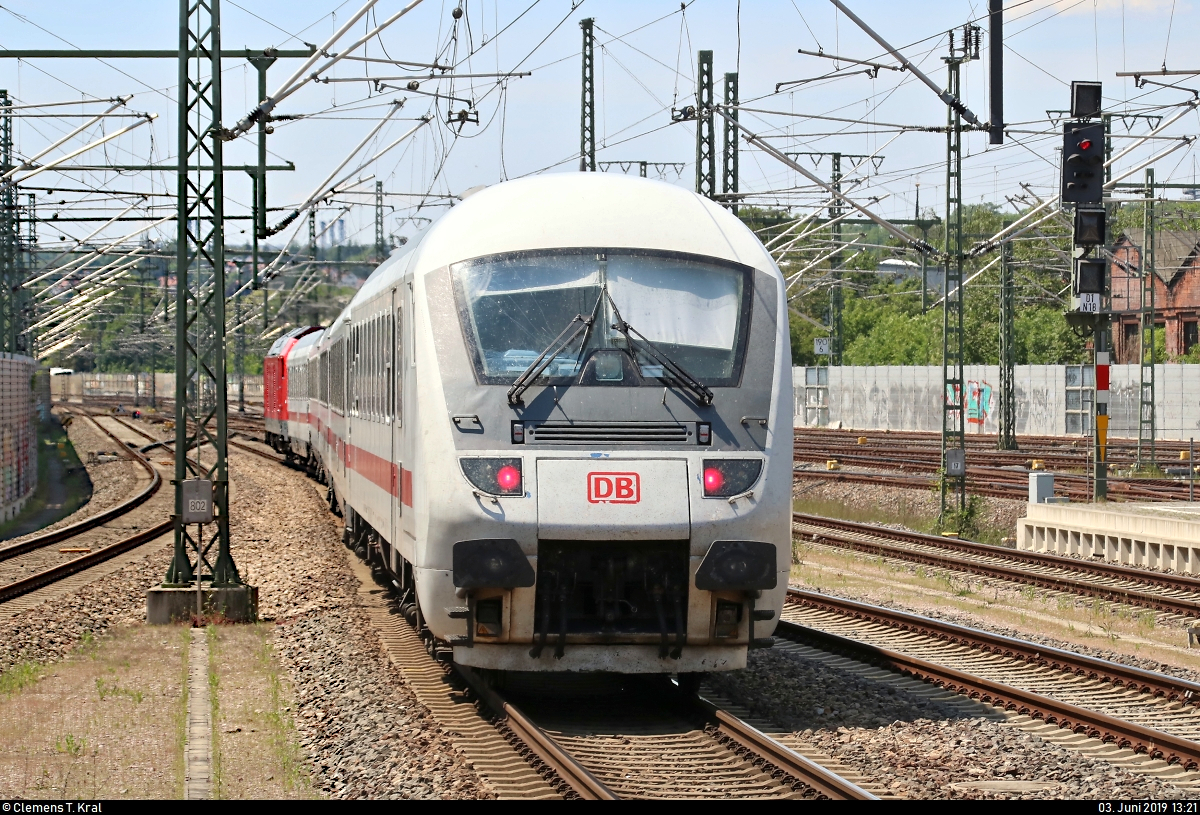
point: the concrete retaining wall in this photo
(1153, 536)
(137, 387)
(1052, 400)
(18, 433)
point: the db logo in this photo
(614, 488)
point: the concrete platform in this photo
(1155, 536)
(165, 605)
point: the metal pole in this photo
(1007, 439)
(380, 249)
(239, 353)
(1101, 347)
(1192, 469)
(729, 162)
(1146, 360)
(201, 390)
(706, 139)
(10, 281)
(836, 300)
(587, 114)
(953, 488)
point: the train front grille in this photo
(609, 432)
(611, 591)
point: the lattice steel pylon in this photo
(12, 340)
(587, 111)
(1007, 438)
(1146, 360)
(954, 450)
(729, 156)
(380, 248)
(706, 138)
(201, 409)
(837, 298)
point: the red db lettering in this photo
(614, 488)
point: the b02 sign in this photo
(614, 488)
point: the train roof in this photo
(571, 211)
(284, 344)
(306, 343)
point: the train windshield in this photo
(513, 307)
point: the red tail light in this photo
(726, 477)
(494, 476)
(508, 478)
(713, 481)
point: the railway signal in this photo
(1083, 163)
(1083, 185)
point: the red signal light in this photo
(714, 479)
(1086, 144)
(508, 478)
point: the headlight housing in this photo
(494, 476)
(726, 477)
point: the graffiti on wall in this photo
(979, 402)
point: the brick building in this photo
(1176, 292)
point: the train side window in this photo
(412, 323)
(375, 368)
(398, 379)
(376, 365)
(388, 384)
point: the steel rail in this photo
(760, 745)
(1140, 739)
(554, 755)
(1156, 490)
(79, 564)
(1114, 594)
(93, 521)
(1166, 581)
(164, 443)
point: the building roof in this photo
(1174, 250)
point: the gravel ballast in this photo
(914, 747)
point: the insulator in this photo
(457, 13)
(413, 85)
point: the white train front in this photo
(561, 420)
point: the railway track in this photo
(1176, 596)
(1140, 714)
(93, 536)
(536, 742)
(166, 443)
(913, 459)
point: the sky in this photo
(645, 66)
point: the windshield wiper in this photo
(690, 383)
(530, 374)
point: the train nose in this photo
(607, 499)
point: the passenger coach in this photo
(561, 421)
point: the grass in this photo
(96, 724)
(281, 726)
(214, 697)
(924, 522)
(255, 750)
(181, 713)
(1027, 609)
(18, 677)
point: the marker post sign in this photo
(198, 509)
